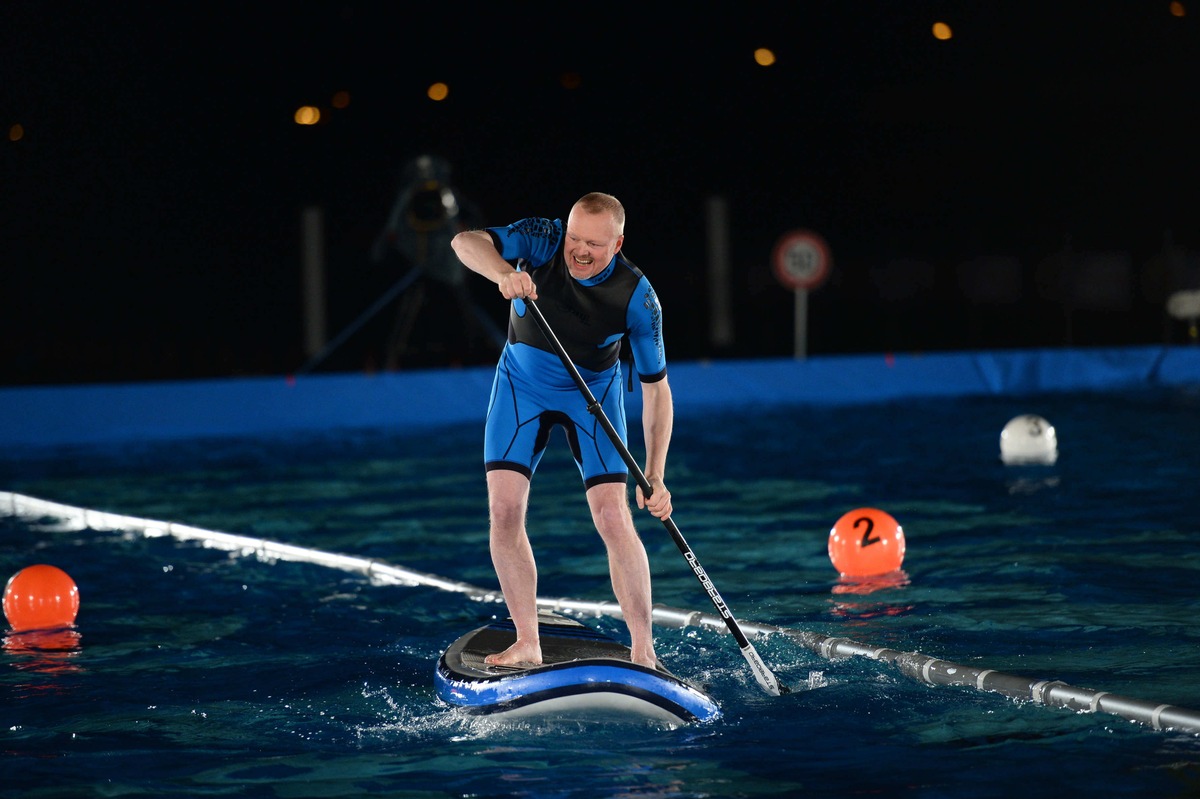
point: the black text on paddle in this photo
(761, 673)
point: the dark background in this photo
(151, 209)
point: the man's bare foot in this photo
(649, 661)
(519, 654)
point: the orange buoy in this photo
(40, 597)
(866, 542)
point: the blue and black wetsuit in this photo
(533, 391)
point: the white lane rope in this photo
(57, 517)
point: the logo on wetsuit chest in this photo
(572, 310)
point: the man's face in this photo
(591, 242)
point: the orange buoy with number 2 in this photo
(40, 597)
(866, 542)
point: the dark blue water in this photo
(198, 672)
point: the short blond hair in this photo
(597, 202)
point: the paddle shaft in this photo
(761, 673)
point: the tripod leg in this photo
(379, 304)
(406, 319)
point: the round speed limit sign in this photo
(801, 260)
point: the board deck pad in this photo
(563, 640)
(583, 672)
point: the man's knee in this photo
(612, 517)
(507, 510)
(508, 492)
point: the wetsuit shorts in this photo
(523, 412)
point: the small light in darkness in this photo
(764, 57)
(16, 132)
(438, 92)
(307, 115)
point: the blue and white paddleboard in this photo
(583, 673)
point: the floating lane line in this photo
(66, 518)
(57, 517)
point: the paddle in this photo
(761, 673)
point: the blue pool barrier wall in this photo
(50, 416)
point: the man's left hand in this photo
(659, 502)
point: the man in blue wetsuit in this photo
(592, 297)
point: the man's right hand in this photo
(518, 286)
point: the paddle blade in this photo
(761, 673)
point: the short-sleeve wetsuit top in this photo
(533, 391)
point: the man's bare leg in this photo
(628, 566)
(512, 557)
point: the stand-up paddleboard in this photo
(583, 673)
